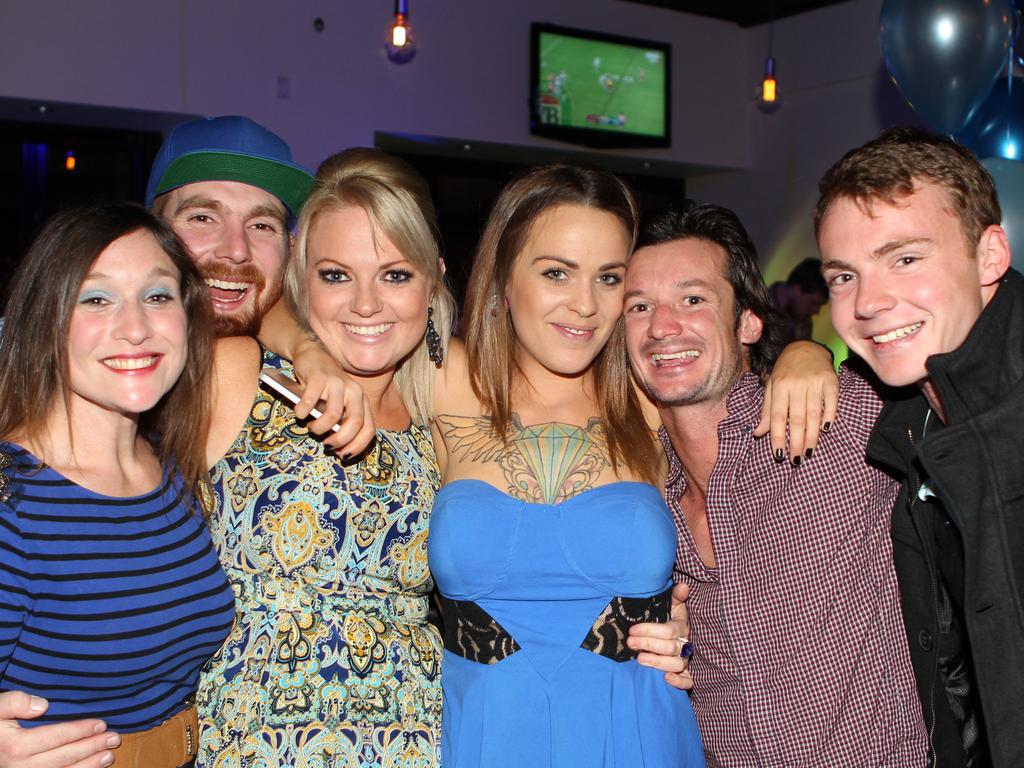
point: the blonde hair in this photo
(490, 338)
(397, 201)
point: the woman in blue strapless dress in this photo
(567, 693)
(550, 537)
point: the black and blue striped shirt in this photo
(109, 606)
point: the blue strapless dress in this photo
(545, 573)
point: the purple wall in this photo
(469, 79)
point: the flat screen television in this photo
(599, 90)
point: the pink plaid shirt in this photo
(801, 655)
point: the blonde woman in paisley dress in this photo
(331, 662)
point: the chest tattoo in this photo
(542, 463)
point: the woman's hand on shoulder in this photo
(803, 390)
(339, 399)
(74, 744)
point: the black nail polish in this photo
(808, 453)
(796, 461)
(346, 456)
(778, 454)
(826, 426)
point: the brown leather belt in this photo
(171, 744)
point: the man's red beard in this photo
(259, 297)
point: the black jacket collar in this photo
(970, 380)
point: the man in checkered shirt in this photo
(801, 656)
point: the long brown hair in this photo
(34, 347)
(490, 338)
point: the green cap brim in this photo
(289, 183)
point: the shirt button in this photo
(924, 639)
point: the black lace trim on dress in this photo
(472, 633)
(607, 636)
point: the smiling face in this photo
(904, 284)
(564, 292)
(367, 302)
(684, 343)
(128, 331)
(238, 237)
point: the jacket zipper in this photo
(935, 606)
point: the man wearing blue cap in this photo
(230, 190)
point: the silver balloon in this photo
(944, 55)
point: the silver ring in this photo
(685, 647)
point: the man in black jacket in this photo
(918, 273)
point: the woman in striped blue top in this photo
(111, 595)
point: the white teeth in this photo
(129, 363)
(899, 333)
(576, 331)
(658, 357)
(225, 285)
(369, 330)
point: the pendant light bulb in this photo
(400, 45)
(769, 93)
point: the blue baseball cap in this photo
(229, 149)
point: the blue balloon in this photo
(944, 55)
(1009, 178)
(997, 128)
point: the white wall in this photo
(836, 96)
(469, 79)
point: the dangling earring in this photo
(434, 351)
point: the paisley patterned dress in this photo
(331, 662)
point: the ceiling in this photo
(746, 13)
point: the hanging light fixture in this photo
(401, 44)
(768, 93)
